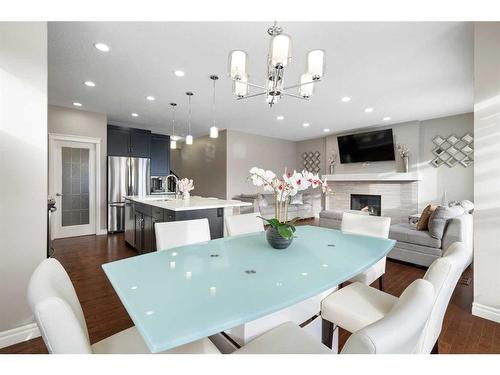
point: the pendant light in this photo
(173, 141)
(214, 132)
(189, 137)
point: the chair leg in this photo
(435, 349)
(381, 283)
(327, 332)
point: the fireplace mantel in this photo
(387, 176)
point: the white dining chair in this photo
(179, 233)
(397, 332)
(243, 224)
(358, 305)
(60, 318)
(367, 225)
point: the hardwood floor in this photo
(82, 258)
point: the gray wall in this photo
(487, 171)
(23, 165)
(418, 135)
(205, 162)
(87, 124)
(245, 151)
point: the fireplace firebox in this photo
(368, 203)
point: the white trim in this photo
(97, 142)
(486, 312)
(102, 231)
(19, 334)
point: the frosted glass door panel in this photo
(75, 186)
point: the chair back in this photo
(179, 233)
(242, 224)
(444, 274)
(375, 226)
(400, 330)
(57, 311)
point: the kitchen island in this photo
(142, 212)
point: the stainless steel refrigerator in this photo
(126, 176)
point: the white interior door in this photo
(72, 182)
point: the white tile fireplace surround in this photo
(398, 191)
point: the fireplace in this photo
(368, 203)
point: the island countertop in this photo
(193, 203)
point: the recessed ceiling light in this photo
(368, 110)
(306, 124)
(133, 114)
(76, 104)
(280, 117)
(150, 98)
(346, 99)
(102, 47)
(326, 130)
(89, 83)
(179, 73)
(386, 118)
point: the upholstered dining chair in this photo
(60, 318)
(357, 305)
(397, 332)
(179, 233)
(375, 226)
(245, 223)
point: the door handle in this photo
(59, 195)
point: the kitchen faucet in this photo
(176, 184)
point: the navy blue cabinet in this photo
(160, 155)
(124, 141)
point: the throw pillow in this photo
(423, 222)
(296, 199)
(468, 206)
(439, 218)
(263, 203)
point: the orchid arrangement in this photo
(283, 188)
(186, 185)
(403, 150)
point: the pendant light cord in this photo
(189, 115)
(173, 120)
(213, 106)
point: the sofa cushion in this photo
(423, 222)
(438, 219)
(331, 214)
(408, 233)
(296, 199)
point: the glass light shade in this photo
(280, 50)
(306, 89)
(214, 132)
(316, 63)
(240, 86)
(238, 64)
(173, 145)
(189, 139)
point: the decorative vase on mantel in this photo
(332, 168)
(406, 164)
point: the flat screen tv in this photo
(371, 146)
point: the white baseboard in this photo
(102, 232)
(486, 312)
(19, 334)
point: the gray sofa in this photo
(307, 207)
(416, 246)
(419, 247)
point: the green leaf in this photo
(273, 222)
(285, 232)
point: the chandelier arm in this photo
(300, 84)
(250, 84)
(251, 96)
(294, 96)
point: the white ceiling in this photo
(408, 71)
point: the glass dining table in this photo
(187, 293)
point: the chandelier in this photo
(278, 59)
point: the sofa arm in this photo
(459, 229)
